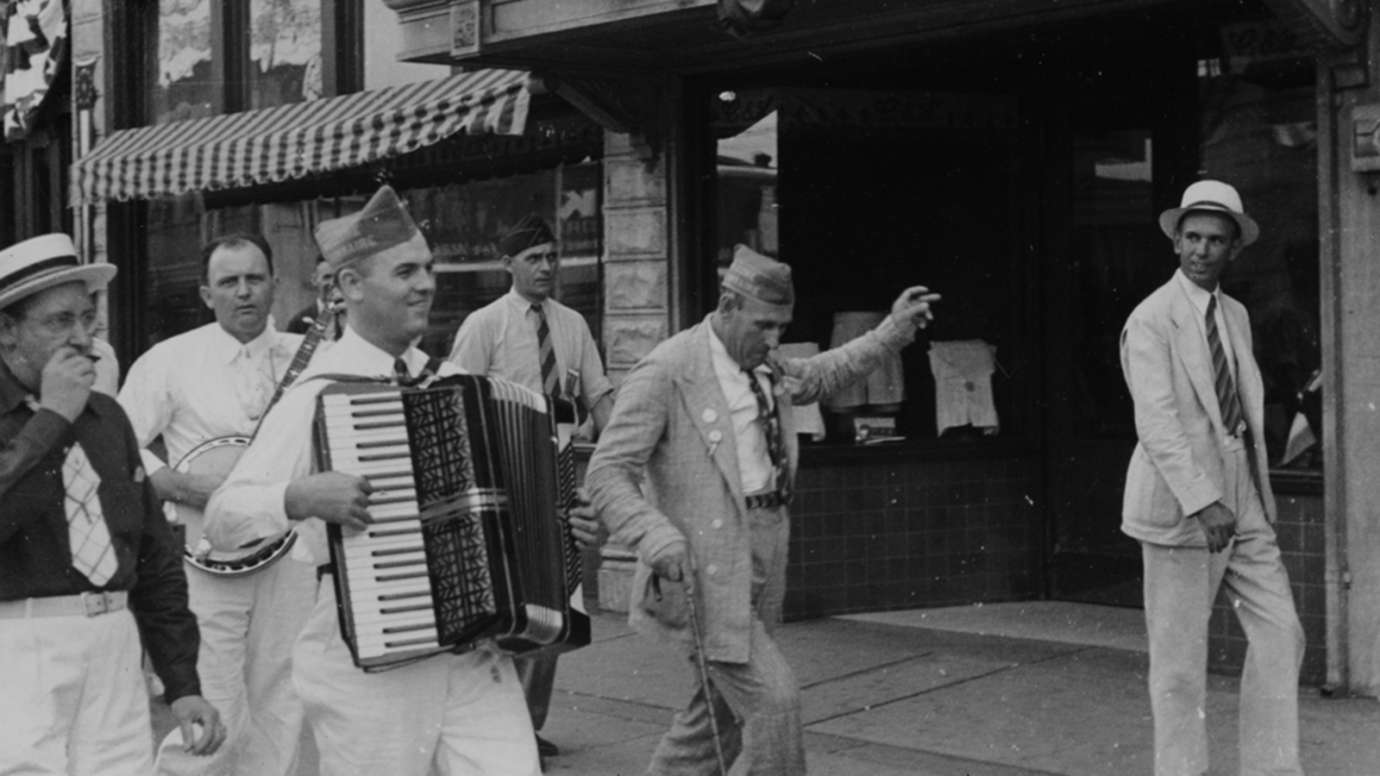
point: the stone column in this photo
(1350, 252)
(637, 271)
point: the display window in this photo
(866, 191)
(461, 221)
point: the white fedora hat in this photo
(43, 262)
(1211, 197)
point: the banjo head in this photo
(218, 456)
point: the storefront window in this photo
(185, 87)
(1117, 256)
(462, 222)
(1259, 133)
(864, 192)
(284, 52)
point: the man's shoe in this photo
(546, 748)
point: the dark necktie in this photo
(546, 355)
(771, 428)
(1227, 398)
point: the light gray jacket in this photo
(666, 467)
(1176, 468)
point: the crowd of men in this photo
(694, 470)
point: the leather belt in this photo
(769, 500)
(79, 605)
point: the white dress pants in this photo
(248, 627)
(1180, 586)
(72, 700)
(452, 715)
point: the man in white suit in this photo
(1198, 496)
(694, 471)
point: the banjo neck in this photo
(301, 358)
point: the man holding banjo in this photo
(204, 392)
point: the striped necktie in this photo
(546, 355)
(87, 534)
(1227, 398)
(771, 428)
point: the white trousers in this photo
(461, 715)
(248, 626)
(1180, 585)
(72, 700)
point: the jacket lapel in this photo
(1248, 383)
(1193, 352)
(705, 405)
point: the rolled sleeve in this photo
(250, 505)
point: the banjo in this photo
(217, 456)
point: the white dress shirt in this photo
(754, 461)
(200, 385)
(249, 505)
(500, 339)
(1199, 297)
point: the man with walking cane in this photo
(698, 421)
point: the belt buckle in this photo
(96, 603)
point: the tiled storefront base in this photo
(894, 532)
(1300, 532)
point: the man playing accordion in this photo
(456, 713)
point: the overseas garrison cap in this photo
(382, 224)
(530, 231)
(762, 278)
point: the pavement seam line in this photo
(861, 671)
(950, 685)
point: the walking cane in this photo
(704, 667)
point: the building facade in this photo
(1012, 155)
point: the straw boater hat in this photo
(1211, 197)
(760, 277)
(45, 261)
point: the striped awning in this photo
(272, 145)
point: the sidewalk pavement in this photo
(904, 693)
(885, 700)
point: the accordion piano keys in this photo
(390, 602)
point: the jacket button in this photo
(711, 569)
(718, 523)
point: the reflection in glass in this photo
(381, 64)
(184, 87)
(284, 52)
(1259, 133)
(1118, 256)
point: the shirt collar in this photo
(366, 358)
(226, 348)
(1198, 295)
(520, 302)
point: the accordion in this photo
(469, 539)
